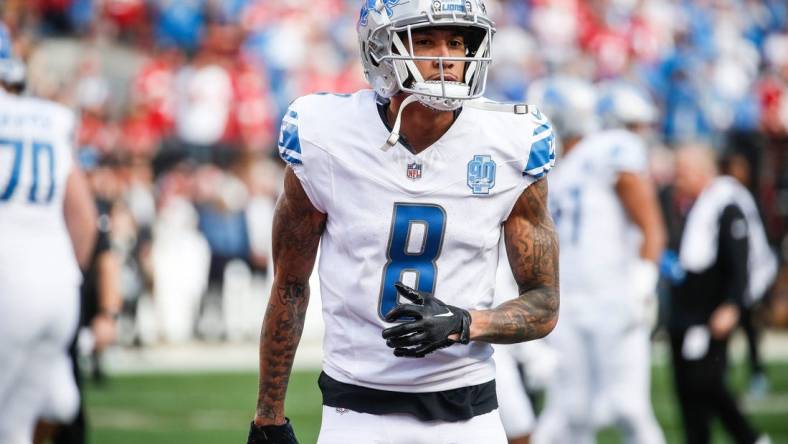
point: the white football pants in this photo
(603, 379)
(347, 426)
(37, 324)
(515, 408)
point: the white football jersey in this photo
(35, 161)
(599, 243)
(432, 220)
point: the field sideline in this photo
(199, 408)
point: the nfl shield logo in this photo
(414, 171)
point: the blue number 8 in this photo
(407, 254)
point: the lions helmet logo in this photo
(370, 5)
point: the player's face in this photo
(689, 182)
(437, 42)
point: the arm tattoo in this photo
(532, 247)
(297, 230)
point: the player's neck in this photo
(420, 126)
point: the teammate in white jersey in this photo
(426, 209)
(46, 233)
(611, 235)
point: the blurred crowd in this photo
(179, 103)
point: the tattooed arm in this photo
(532, 247)
(296, 235)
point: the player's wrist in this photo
(260, 422)
(271, 433)
(479, 324)
(464, 334)
(112, 315)
(277, 419)
(645, 275)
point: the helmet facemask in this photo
(390, 67)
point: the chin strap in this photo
(394, 137)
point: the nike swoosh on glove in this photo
(429, 326)
(272, 434)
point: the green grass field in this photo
(216, 408)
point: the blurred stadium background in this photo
(179, 104)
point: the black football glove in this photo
(430, 324)
(272, 434)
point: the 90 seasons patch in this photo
(481, 174)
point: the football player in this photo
(408, 188)
(46, 234)
(611, 233)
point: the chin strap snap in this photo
(488, 105)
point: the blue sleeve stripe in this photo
(288, 138)
(289, 142)
(542, 128)
(542, 156)
(288, 157)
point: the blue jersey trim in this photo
(542, 128)
(542, 155)
(289, 142)
(289, 139)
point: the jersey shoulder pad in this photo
(62, 117)
(306, 117)
(49, 107)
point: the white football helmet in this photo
(389, 67)
(622, 103)
(569, 101)
(12, 72)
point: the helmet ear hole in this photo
(366, 52)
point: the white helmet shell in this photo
(13, 72)
(570, 103)
(390, 68)
(623, 103)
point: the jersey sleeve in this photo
(541, 154)
(303, 157)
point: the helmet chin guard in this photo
(441, 96)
